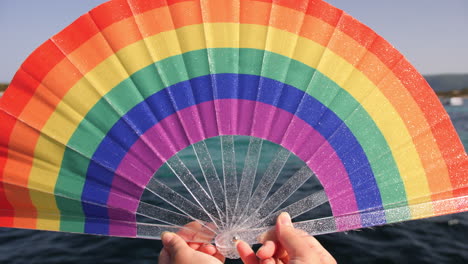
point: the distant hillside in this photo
(3, 87)
(447, 82)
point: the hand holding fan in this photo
(284, 106)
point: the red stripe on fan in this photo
(111, 12)
(6, 212)
(69, 40)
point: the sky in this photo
(433, 35)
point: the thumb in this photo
(173, 243)
(291, 240)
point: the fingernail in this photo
(238, 242)
(166, 237)
(261, 238)
(285, 219)
(260, 249)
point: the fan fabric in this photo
(96, 110)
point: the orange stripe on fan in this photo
(180, 11)
(117, 39)
(221, 11)
(16, 174)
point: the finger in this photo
(270, 235)
(284, 259)
(189, 231)
(291, 241)
(310, 241)
(174, 244)
(246, 253)
(205, 233)
(219, 256)
(280, 253)
(194, 245)
(313, 242)
(315, 245)
(302, 232)
(208, 249)
(196, 232)
(269, 261)
(164, 257)
(267, 250)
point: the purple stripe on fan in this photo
(287, 130)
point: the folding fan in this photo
(212, 116)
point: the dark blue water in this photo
(435, 240)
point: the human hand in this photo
(286, 245)
(177, 251)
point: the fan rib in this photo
(297, 208)
(211, 176)
(248, 175)
(191, 233)
(162, 214)
(280, 196)
(266, 183)
(176, 200)
(193, 187)
(229, 176)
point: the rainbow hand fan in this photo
(210, 117)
